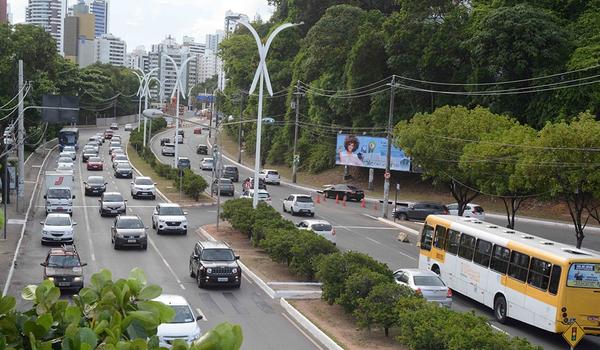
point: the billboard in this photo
(57, 116)
(368, 152)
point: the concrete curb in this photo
(402, 227)
(309, 326)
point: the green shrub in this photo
(334, 269)
(358, 286)
(193, 184)
(378, 308)
(425, 325)
(240, 214)
(267, 218)
(307, 249)
(320, 158)
(278, 244)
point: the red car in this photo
(108, 134)
(95, 163)
(198, 131)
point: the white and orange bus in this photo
(543, 283)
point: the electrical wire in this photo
(349, 90)
(12, 99)
(517, 145)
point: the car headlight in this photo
(209, 270)
(195, 336)
(234, 270)
(44, 232)
(77, 279)
(51, 279)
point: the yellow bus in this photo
(543, 283)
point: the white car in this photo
(270, 176)
(179, 139)
(472, 210)
(143, 186)
(207, 164)
(168, 149)
(65, 160)
(320, 227)
(184, 325)
(263, 195)
(58, 228)
(69, 151)
(65, 168)
(128, 127)
(169, 217)
(427, 283)
(299, 204)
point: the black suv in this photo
(214, 263)
(232, 173)
(95, 185)
(202, 149)
(63, 267)
(164, 140)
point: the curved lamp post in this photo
(261, 74)
(177, 90)
(144, 82)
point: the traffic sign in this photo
(387, 175)
(573, 334)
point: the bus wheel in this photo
(500, 309)
(436, 269)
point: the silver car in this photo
(426, 283)
(129, 230)
(58, 228)
(112, 203)
(207, 164)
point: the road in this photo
(264, 323)
(357, 229)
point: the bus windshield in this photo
(68, 137)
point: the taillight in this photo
(449, 293)
(333, 232)
(418, 291)
(445, 212)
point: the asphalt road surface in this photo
(264, 323)
(357, 229)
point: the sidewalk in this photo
(16, 222)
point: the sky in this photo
(147, 22)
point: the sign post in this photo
(573, 335)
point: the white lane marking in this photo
(247, 279)
(200, 313)
(368, 227)
(302, 331)
(378, 243)
(498, 329)
(370, 216)
(85, 213)
(165, 262)
(130, 210)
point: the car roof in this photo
(169, 144)
(112, 193)
(98, 177)
(184, 158)
(171, 299)
(418, 272)
(300, 195)
(214, 244)
(135, 217)
(143, 178)
(58, 215)
(313, 222)
(172, 205)
(63, 251)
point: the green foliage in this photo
(240, 214)
(111, 314)
(425, 325)
(266, 219)
(306, 250)
(378, 308)
(358, 286)
(193, 184)
(279, 243)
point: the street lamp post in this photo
(177, 90)
(262, 75)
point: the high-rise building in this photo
(207, 66)
(79, 42)
(111, 50)
(100, 9)
(213, 40)
(3, 11)
(48, 14)
(81, 7)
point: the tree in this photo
(358, 286)
(563, 161)
(436, 143)
(493, 160)
(107, 314)
(379, 306)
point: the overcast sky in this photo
(147, 22)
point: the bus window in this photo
(555, 279)
(439, 241)
(539, 273)
(467, 247)
(426, 237)
(519, 266)
(453, 242)
(483, 253)
(500, 259)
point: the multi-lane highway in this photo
(357, 229)
(265, 324)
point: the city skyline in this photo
(136, 23)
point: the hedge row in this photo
(283, 242)
(192, 184)
(364, 287)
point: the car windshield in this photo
(94, 160)
(169, 146)
(226, 182)
(171, 211)
(63, 261)
(58, 221)
(217, 255)
(230, 169)
(65, 160)
(121, 157)
(59, 193)
(353, 188)
(144, 182)
(304, 199)
(65, 166)
(184, 161)
(272, 173)
(112, 198)
(68, 149)
(95, 180)
(263, 195)
(130, 223)
(118, 151)
(183, 314)
(428, 281)
(124, 166)
(321, 227)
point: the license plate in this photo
(59, 208)
(63, 284)
(593, 318)
(131, 241)
(222, 279)
(114, 211)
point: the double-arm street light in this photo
(261, 76)
(179, 90)
(144, 80)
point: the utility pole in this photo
(21, 143)
(239, 160)
(386, 184)
(296, 159)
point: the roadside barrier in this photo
(363, 203)
(318, 199)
